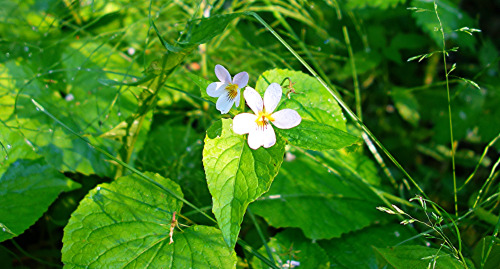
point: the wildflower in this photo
(227, 90)
(258, 126)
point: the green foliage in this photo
(416, 257)
(383, 4)
(291, 246)
(407, 105)
(487, 253)
(104, 114)
(450, 13)
(317, 136)
(28, 187)
(357, 250)
(236, 174)
(317, 200)
(127, 223)
(310, 99)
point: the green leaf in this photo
(236, 174)
(407, 105)
(311, 100)
(482, 248)
(416, 257)
(291, 246)
(317, 136)
(353, 166)
(127, 223)
(319, 201)
(355, 250)
(27, 189)
(323, 124)
(203, 30)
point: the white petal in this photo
(224, 103)
(272, 97)
(244, 123)
(222, 74)
(241, 79)
(237, 99)
(269, 137)
(215, 89)
(262, 137)
(286, 118)
(253, 99)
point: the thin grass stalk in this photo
(449, 112)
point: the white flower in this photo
(227, 90)
(258, 126)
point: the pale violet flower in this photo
(227, 90)
(258, 125)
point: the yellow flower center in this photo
(263, 119)
(232, 90)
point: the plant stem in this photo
(449, 112)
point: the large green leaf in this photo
(355, 250)
(317, 136)
(126, 224)
(317, 200)
(353, 166)
(323, 124)
(203, 30)
(289, 247)
(27, 189)
(410, 257)
(311, 100)
(236, 174)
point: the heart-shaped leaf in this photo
(127, 224)
(236, 174)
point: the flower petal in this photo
(215, 89)
(272, 97)
(237, 99)
(241, 79)
(244, 123)
(269, 137)
(222, 74)
(286, 118)
(224, 103)
(253, 99)
(262, 137)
